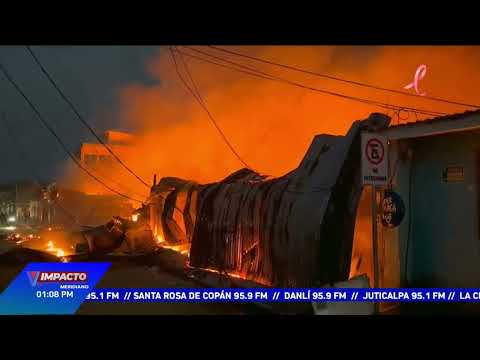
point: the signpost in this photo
(375, 173)
(374, 159)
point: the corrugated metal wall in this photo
(294, 230)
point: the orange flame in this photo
(54, 250)
(271, 124)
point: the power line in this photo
(185, 65)
(342, 79)
(251, 72)
(57, 137)
(25, 157)
(87, 125)
(293, 83)
(73, 108)
(255, 72)
(121, 186)
(63, 145)
(184, 82)
(202, 103)
(16, 141)
(263, 75)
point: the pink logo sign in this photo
(419, 74)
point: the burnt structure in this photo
(294, 230)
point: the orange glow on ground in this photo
(58, 252)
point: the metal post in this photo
(375, 242)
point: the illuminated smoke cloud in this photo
(272, 124)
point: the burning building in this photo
(293, 230)
(312, 226)
(98, 160)
(95, 154)
(308, 227)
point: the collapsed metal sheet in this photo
(119, 236)
(295, 230)
(173, 210)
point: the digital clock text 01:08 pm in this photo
(54, 294)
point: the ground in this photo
(162, 270)
(152, 277)
(166, 269)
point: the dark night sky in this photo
(89, 75)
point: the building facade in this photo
(438, 176)
(25, 203)
(7, 203)
(96, 155)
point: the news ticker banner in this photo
(195, 295)
(60, 288)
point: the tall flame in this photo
(271, 124)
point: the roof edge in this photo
(467, 121)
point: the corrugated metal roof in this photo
(437, 119)
(468, 120)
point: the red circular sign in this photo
(374, 151)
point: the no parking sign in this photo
(374, 159)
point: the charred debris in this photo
(291, 231)
(295, 230)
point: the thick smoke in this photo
(270, 124)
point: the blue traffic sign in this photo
(393, 209)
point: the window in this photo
(90, 160)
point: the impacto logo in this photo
(61, 277)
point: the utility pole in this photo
(374, 153)
(375, 243)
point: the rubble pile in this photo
(118, 236)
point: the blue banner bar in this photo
(51, 288)
(199, 295)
